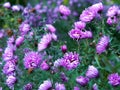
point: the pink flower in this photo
(46, 85)
(19, 40)
(86, 34)
(45, 42)
(44, 65)
(80, 25)
(102, 44)
(87, 15)
(92, 72)
(112, 11)
(76, 88)
(51, 28)
(32, 60)
(7, 5)
(59, 86)
(64, 10)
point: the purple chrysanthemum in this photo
(64, 10)
(82, 80)
(70, 60)
(114, 79)
(32, 60)
(24, 28)
(44, 66)
(102, 44)
(63, 48)
(76, 88)
(19, 40)
(92, 72)
(45, 42)
(16, 8)
(46, 85)
(75, 33)
(50, 28)
(95, 87)
(7, 5)
(87, 15)
(11, 81)
(59, 86)
(80, 25)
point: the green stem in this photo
(78, 46)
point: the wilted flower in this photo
(95, 87)
(15, 8)
(70, 60)
(92, 72)
(59, 86)
(82, 80)
(11, 81)
(80, 25)
(7, 5)
(64, 48)
(45, 42)
(64, 10)
(112, 11)
(102, 44)
(114, 79)
(19, 40)
(44, 65)
(50, 28)
(46, 85)
(32, 60)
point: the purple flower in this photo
(80, 25)
(7, 5)
(96, 7)
(82, 80)
(63, 77)
(64, 10)
(87, 15)
(32, 60)
(11, 81)
(112, 11)
(64, 48)
(114, 79)
(9, 68)
(75, 33)
(50, 28)
(45, 42)
(46, 85)
(112, 20)
(19, 40)
(92, 72)
(1, 34)
(86, 34)
(95, 87)
(76, 88)
(102, 44)
(15, 8)
(24, 28)
(59, 86)
(44, 65)
(70, 60)
(8, 54)
(28, 86)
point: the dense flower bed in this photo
(60, 45)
